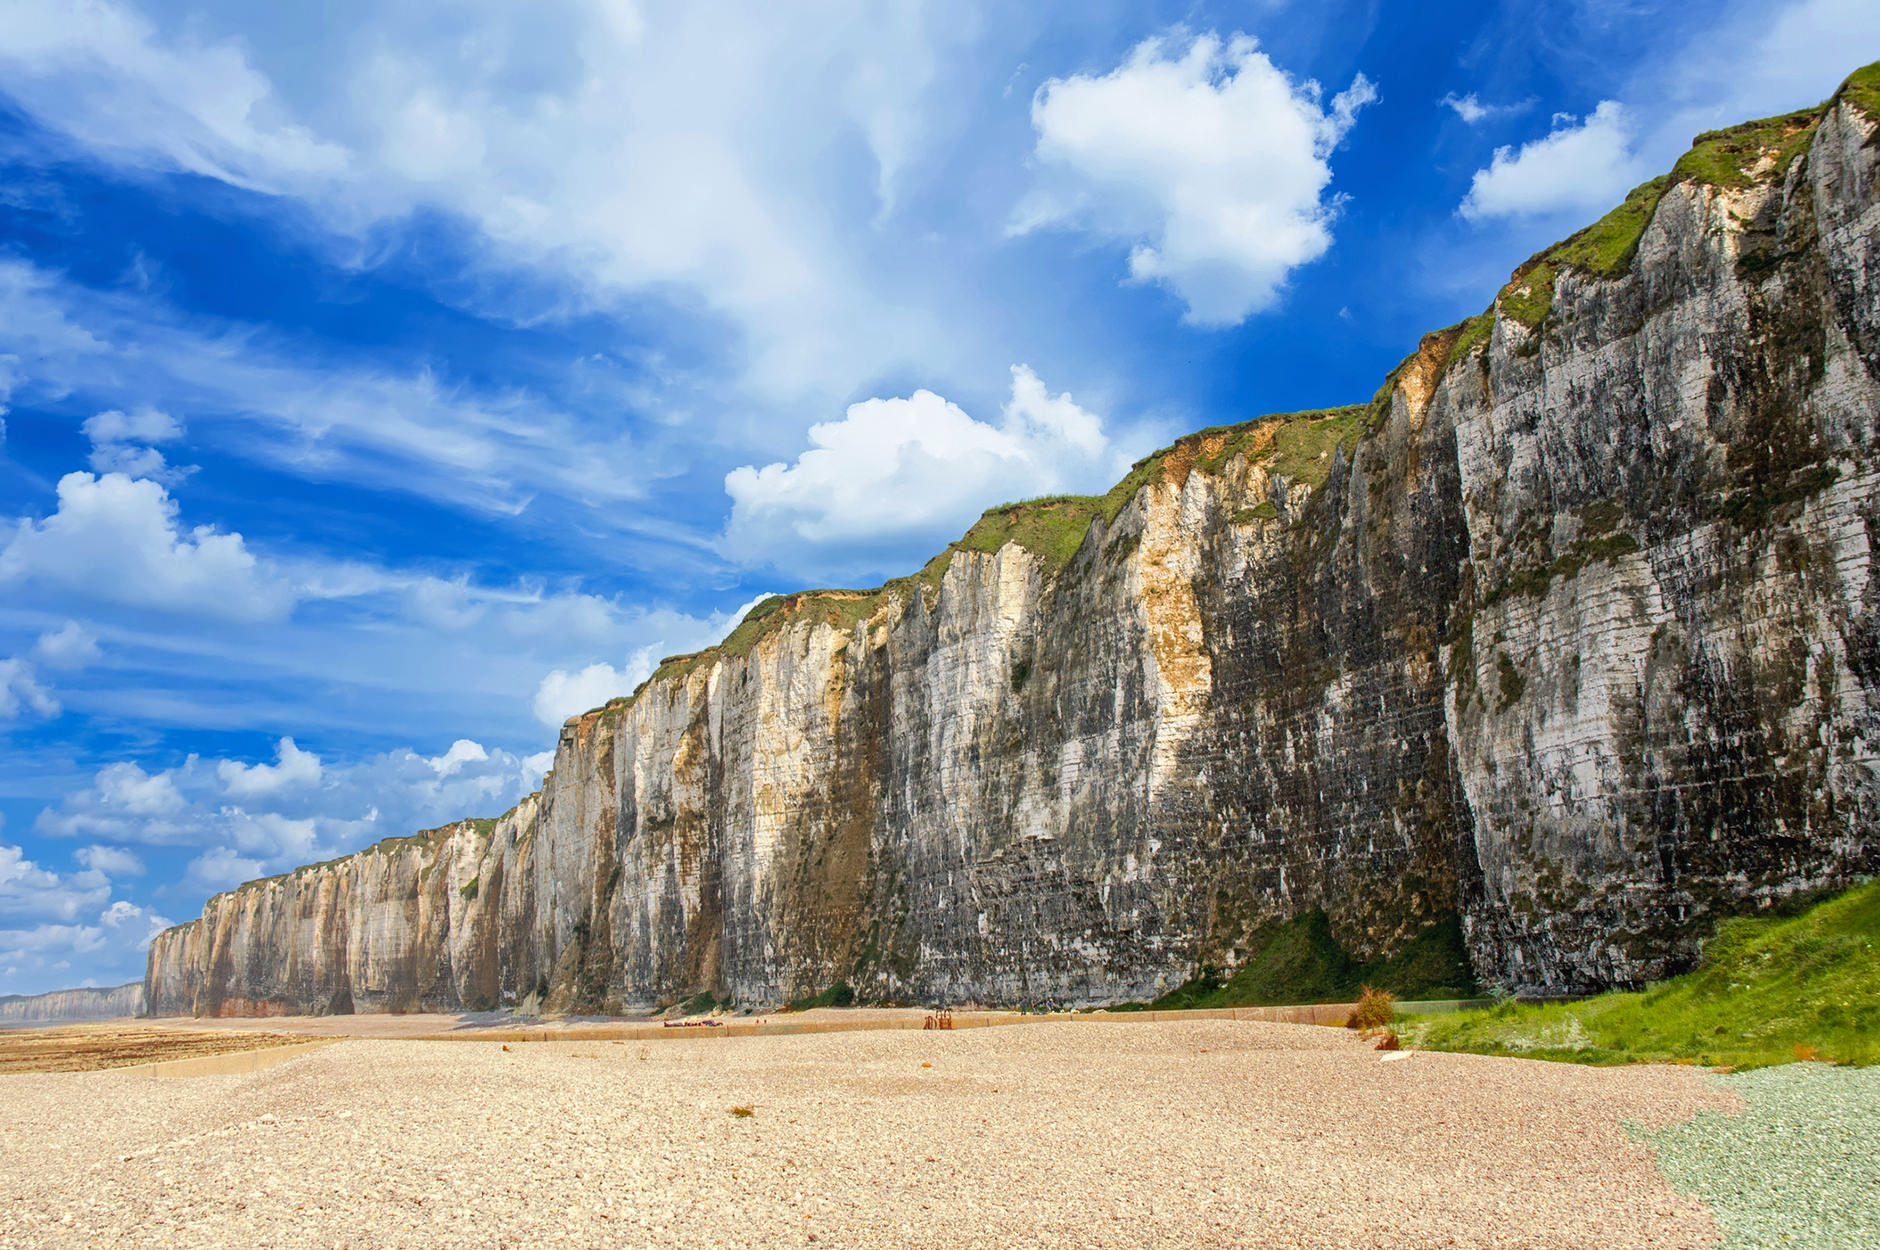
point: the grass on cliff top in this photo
(1770, 990)
(1862, 90)
(1734, 157)
(1741, 156)
(1300, 961)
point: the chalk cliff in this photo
(81, 1004)
(1564, 644)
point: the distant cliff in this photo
(65, 1005)
(1560, 647)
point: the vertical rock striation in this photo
(1568, 636)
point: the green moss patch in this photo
(841, 994)
(1769, 990)
(1582, 552)
(1301, 961)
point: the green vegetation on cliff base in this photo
(1770, 989)
(1300, 961)
(841, 994)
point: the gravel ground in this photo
(1799, 1167)
(1072, 1134)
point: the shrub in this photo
(1375, 1009)
(1390, 1041)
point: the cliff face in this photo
(1567, 636)
(83, 1004)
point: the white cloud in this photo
(222, 868)
(112, 861)
(126, 918)
(1467, 107)
(1471, 109)
(916, 468)
(142, 425)
(118, 438)
(20, 691)
(116, 538)
(563, 694)
(250, 819)
(70, 646)
(103, 74)
(623, 147)
(1211, 159)
(112, 947)
(413, 432)
(462, 752)
(29, 892)
(292, 767)
(1581, 167)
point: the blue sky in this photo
(383, 383)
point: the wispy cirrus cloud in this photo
(408, 432)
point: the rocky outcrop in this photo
(1568, 636)
(61, 1006)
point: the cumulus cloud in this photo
(247, 819)
(1210, 159)
(117, 538)
(292, 767)
(1581, 166)
(111, 945)
(21, 692)
(119, 443)
(223, 868)
(563, 694)
(29, 892)
(21, 688)
(70, 646)
(462, 752)
(919, 467)
(112, 861)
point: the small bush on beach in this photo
(1376, 1008)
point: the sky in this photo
(382, 384)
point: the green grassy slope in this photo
(1769, 990)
